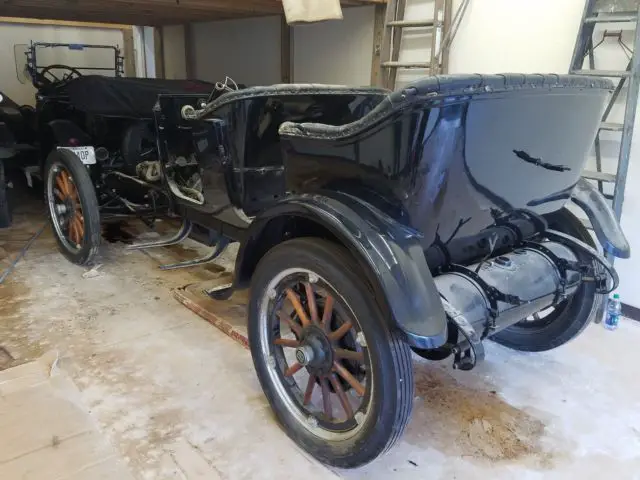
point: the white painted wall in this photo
(249, 50)
(139, 51)
(335, 52)
(16, 34)
(173, 44)
(148, 43)
(246, 50)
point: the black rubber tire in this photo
(571, 317)
(392, 398)
(5, 210)
(90, 210)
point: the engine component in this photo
(149, 171)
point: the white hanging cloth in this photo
(308, 11)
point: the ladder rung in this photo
(611, 19)
(406, 64)
(600, 176)
(601, 73)
(410, 23)
(612, 127)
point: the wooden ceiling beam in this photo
(129, 18)
(146, 12)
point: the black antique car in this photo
(373, 224)
(17, 138)
(95, 114)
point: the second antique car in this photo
(106, 120)
(17, 138)
(372, 224)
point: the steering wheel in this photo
(47, 77)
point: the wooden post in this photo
(128, 52)
(158, 53)
(378, 34)
(286, 47)
(189, 52)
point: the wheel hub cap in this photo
(304, 355)
(315, 350)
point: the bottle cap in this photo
(615, 295)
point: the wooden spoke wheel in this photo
(339, 382)
(73, 206)
(67, 209)
(319, 352)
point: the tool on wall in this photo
(620, 13)
(442, 28)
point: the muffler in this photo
(494, 294)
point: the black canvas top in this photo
(126, 97)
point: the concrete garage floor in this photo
(153, 374)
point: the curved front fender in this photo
(390, 250)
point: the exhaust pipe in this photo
(493, 295)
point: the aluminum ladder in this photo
(618, 12)
(442, 30)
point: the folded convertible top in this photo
(126, 97)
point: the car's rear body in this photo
(453, 155)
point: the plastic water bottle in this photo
(614, 310)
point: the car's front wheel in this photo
(73, 207)
(339, 382)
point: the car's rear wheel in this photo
(339, 382)
(73, 206)
(5, 211)
(557, 325)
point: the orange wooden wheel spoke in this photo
(326, 314)
(58, 193)
(311, 300)
(287, 342)
(342, 396)
(65, 180)
(326, 398)
(295, 327)
(349, 354)
(79, 227)
(295, 301)
(73, 233)
(61, 185)
(310, 385)
(73, 193)
(292, 369)
(340, 332)
(351, 380)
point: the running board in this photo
(182, 234)
(217, 251)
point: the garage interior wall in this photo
(495, 36)
(12, 34)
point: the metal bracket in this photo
(464, 358)
(582, 247)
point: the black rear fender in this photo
(389, 252)
(602, 218)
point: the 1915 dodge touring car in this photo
(372, 224)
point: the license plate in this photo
(86, 154)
